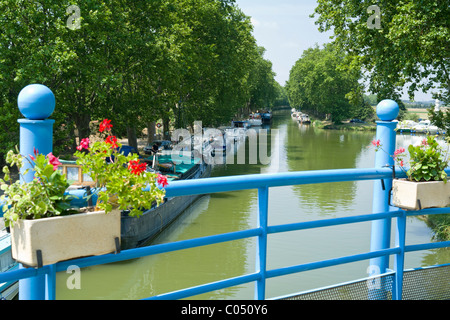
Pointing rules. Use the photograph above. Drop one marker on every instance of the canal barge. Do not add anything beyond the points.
(137, 232)
(267, 117)
(8, 290)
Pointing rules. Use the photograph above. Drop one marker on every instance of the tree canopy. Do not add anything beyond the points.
(409, 47)
(318, 84)
(130, 61)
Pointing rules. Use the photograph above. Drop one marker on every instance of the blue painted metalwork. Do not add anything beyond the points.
(257, 232)
(380, 249)
(37, 103)
(388, 111)
(261, 254)
(399, 262)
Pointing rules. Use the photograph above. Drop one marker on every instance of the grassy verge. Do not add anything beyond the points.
(346, 126)
(440, 224)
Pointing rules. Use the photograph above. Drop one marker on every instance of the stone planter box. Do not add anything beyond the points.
(64, 238)
(420, 195)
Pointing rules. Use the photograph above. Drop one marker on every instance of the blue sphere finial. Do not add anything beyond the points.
(388, 110)
(36, 102)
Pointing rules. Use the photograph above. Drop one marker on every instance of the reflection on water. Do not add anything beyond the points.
(297, 148)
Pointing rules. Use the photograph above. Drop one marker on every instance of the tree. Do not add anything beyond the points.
(218, 53)
(317, 83)
(262, 84)
(410, 47)
(281, 96)
(133, 62)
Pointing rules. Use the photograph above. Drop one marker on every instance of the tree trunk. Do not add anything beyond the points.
(151, 132)
(82, 124)
(131, 135)
(166, 133)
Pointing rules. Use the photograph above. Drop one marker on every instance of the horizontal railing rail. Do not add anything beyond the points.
(243, 182)
(262, 183)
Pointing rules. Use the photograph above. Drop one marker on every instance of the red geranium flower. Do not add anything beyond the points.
(136, 167)
(112, 140)
(105, 125)
(162, 180)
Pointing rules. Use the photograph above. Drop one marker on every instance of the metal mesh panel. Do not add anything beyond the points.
(378, 288)
(420, 284)
(427, 284)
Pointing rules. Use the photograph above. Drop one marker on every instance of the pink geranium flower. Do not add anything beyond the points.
(54, 161)
(376, 143)
(84, 144)
(399, 152)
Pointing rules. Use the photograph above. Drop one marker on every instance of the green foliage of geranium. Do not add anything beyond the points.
(122, 182)
(427, 161)
(42, 197)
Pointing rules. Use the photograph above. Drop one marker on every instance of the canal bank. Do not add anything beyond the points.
(300, 148)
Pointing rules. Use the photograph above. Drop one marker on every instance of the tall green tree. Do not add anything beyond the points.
(130, 61)
(409, 46)
(317, 83)
(262, 85)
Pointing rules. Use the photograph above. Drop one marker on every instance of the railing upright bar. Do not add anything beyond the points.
(261, 256)
(399, 260)
(50, 280)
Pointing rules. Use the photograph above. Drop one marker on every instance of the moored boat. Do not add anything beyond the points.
(139, 231)
(406, 126)
(421, 127)
(304, 119)
(266, 117)
(240, 124)
(255, 120)
(8, 290)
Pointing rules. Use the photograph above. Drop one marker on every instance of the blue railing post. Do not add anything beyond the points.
(50, 282)
(399, 260)
(36, 103)
(261, 254)
(387, 111)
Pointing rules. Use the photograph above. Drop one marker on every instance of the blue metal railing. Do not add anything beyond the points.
(261, 232)
(37, 133)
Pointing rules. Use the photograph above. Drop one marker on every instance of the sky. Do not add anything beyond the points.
(285, 29)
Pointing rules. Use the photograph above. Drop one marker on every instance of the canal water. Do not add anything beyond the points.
(294, 148)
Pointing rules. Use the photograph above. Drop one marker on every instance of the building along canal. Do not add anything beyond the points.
(297, 148)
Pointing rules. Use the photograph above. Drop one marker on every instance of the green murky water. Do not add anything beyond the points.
(296, 148)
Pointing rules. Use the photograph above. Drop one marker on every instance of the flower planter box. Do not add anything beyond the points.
(420, 195)
(66, 237)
